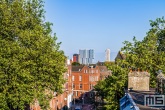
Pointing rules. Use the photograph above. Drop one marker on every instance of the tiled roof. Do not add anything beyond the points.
(77, 68)
(103, 68)
(120, 55)
(100, 63)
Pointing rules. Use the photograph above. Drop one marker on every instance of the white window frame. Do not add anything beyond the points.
(76, 93)
(73, 78)
(80, 78)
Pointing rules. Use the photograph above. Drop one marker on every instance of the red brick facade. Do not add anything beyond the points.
(84, 78)
(79, 80)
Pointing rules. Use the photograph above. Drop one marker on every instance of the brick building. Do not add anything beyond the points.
(84, 78)
(63, 100)
(80, 81)
(104, 72)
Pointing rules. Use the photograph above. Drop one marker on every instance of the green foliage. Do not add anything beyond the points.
(112, 88)
(147, 55)
(31, 64)
(75, 64)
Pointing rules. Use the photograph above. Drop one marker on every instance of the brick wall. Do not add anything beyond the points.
(84, 79)
(139, 80)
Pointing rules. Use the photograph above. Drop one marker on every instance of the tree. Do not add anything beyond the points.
(112, 88)
(31, 64)
(148, 54)
(75, 64)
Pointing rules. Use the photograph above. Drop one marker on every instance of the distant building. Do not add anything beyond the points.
(68, 61)
(104, 72)
(75, 57)
(100, 63)
(120, 56)
(86, 56)
(107, 55)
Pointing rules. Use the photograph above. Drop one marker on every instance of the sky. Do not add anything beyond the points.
(100, 24)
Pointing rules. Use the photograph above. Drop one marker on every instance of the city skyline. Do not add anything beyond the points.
(100, 24)
(100, 55)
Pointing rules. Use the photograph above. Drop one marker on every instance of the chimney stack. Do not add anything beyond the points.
(138, 80)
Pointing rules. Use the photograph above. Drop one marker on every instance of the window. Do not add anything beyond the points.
(91, 87)
(73, 86)
(76, 93)
(80, 86)
(80, 78)
(97, 78)
(72, 78)
(91, 78)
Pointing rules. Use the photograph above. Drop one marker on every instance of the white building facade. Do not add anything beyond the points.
(107, 55)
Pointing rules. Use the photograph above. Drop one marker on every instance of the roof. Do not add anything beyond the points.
(103, 68)
(77, 68)
(120, 55)
(137, 97)
(160, 76)
(100, 63)
(139, 74)
(127, 103)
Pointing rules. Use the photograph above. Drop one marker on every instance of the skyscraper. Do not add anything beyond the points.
(86, 56)
(107, 55)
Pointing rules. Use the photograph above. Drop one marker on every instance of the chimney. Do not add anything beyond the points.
(138, 80)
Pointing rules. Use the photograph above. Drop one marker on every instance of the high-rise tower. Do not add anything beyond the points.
(107, 55)
(86, 56)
